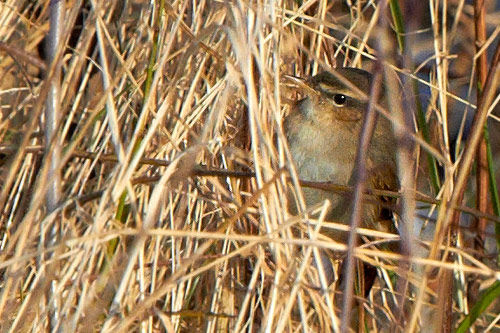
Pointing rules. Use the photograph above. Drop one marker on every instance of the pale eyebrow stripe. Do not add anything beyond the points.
(338, 90)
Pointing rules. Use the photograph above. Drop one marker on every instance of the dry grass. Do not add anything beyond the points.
(144, 172)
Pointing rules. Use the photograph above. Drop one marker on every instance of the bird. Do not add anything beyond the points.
(323, 131)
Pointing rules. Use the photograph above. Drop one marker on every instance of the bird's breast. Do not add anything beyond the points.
(320, 156)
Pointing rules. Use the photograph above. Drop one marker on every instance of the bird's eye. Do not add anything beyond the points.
(339, 99)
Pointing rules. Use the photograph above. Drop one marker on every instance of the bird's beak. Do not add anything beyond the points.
(300, 83)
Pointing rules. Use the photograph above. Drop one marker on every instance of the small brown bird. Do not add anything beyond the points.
(323, 131)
